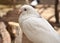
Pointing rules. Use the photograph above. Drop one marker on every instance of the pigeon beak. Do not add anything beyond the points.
(19, 12)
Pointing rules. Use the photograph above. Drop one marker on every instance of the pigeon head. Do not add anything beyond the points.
(27, 9)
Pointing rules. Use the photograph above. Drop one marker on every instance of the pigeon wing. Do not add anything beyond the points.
(39, 30)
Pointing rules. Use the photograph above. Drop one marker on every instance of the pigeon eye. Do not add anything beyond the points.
(25, 9)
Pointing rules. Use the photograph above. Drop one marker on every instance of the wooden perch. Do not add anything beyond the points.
(4, 33)
(56, 11)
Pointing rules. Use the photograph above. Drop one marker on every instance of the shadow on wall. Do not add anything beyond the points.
(10, 2)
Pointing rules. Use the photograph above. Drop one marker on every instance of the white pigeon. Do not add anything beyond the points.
(36, 28)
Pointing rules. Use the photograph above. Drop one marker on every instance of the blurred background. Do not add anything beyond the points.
(49, 9)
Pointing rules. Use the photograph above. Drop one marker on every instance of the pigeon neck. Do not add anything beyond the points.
(25, 17)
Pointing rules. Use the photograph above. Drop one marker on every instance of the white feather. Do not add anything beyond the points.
(36, 28)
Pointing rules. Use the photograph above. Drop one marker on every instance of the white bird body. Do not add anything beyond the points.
(36, 28)
(34, 3)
